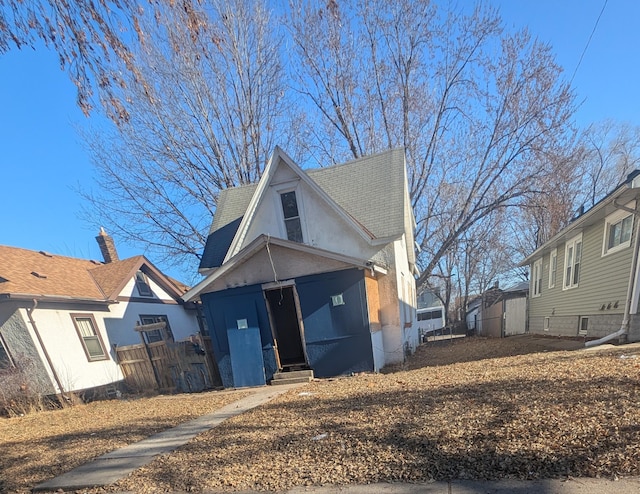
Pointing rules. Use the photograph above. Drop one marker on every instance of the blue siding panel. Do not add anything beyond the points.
(337, 338)
(247, 365)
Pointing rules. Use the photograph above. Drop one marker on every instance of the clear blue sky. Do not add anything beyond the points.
(42, 159)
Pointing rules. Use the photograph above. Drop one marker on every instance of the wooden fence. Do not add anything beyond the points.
(167, 367)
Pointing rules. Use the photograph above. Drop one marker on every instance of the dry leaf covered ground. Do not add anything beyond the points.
(487, 409)
(40, 446)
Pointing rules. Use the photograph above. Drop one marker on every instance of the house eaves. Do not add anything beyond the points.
(8, 297)
(264, 240)
(624, 193)
(131, 267)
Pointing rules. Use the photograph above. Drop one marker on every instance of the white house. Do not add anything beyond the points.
(60, 317)
(312, 269)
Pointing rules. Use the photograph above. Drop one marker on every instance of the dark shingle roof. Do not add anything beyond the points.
(369, 189)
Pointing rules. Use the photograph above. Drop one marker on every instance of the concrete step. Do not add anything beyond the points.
(292, 377)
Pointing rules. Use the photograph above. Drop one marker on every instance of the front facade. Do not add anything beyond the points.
(311, 270)
(584, 281)
(61, 318)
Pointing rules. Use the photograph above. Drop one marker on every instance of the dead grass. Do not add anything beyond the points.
(532, 415)
(40, 446)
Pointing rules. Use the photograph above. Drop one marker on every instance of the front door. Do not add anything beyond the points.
(286, 327)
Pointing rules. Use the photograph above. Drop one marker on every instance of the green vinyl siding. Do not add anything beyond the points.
(603, 280)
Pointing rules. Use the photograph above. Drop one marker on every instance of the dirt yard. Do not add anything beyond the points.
(482, 409)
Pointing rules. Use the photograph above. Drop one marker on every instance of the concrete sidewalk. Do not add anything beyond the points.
(109, 468)
(548, 486)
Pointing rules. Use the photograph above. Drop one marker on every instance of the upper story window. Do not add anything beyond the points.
(291, 216)
(617, 231)
(536, 277)
(572, 262)
(142, 284)
(91, 340)
(553, 267)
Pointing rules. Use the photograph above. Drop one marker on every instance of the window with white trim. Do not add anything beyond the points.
(618, 228)
(547, 323)
(572, 262)
(536, 278)
(553, 267)
(584, 326)
(91, 340)
(291, 213)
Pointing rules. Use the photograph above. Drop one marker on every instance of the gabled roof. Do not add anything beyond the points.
(622, 194)
(112, 277)
(380, 210)
(27, 274)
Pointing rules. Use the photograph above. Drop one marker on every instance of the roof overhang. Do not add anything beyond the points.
(261, 242)
(21, 297)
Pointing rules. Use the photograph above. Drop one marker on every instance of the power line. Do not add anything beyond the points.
(588, 41)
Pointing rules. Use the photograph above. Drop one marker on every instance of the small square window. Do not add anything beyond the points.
(337, 299)
(584, 326)
(242, 324)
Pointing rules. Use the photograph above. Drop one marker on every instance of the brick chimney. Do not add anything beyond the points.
(107, 247)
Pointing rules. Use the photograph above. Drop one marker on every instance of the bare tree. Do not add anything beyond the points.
(87, 35)
(474, 106)
(202, 112)
(611, 151)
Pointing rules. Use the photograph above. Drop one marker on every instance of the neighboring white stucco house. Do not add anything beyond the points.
(60, 317)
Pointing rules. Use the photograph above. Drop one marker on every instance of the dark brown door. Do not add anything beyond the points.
(286, 326)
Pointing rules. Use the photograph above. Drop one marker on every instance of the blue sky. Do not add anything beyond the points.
(42, 158)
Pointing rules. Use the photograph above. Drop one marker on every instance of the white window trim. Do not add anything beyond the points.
(572, 243)
(612, 219)
(536, 278)
(282, 188)
(582, 332)
(553, 269)
(547, 323)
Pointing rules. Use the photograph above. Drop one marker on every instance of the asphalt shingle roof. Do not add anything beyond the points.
(369, 189)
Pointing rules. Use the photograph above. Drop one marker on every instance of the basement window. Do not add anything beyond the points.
(584, 325)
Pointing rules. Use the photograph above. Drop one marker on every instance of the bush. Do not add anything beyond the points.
(18, 394)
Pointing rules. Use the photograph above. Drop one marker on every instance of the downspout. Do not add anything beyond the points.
(42, 346)
(623, 332)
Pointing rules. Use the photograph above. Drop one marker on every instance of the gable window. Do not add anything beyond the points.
(536, 277)
(142, 284)
(158, 334)
(617, 232)
(291, 216)
(572, 261)
(91, 340)
(553, 266)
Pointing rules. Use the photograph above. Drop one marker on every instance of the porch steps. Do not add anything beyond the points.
(292, 377)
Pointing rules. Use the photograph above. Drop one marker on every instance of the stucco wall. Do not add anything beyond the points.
(124, 315)
(23, 350)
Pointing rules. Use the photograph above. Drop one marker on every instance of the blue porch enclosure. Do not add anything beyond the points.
(326, 327)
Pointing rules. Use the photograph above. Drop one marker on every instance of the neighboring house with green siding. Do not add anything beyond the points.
(584, 280)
